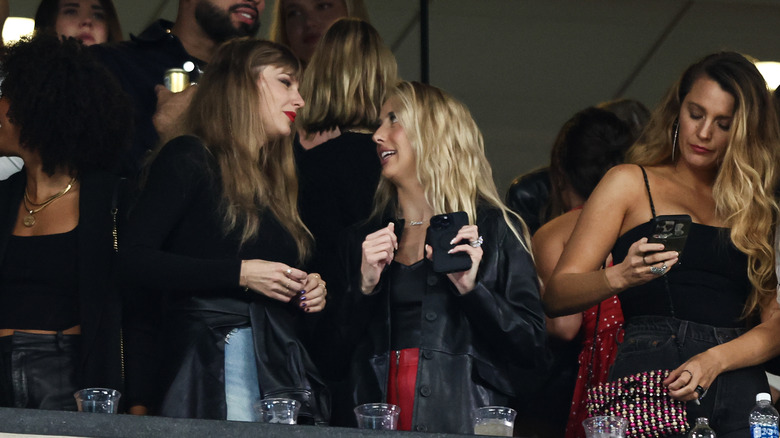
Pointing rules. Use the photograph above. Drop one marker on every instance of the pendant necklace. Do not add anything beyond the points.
(29, 220)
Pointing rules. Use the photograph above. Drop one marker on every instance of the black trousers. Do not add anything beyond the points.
(39, 371)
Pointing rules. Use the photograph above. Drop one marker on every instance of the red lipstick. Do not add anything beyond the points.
(290, 115)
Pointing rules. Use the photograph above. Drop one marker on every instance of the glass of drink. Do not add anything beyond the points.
(605, 427)
(278, 410)
(382, 416)
(494, 420)
(98, 400)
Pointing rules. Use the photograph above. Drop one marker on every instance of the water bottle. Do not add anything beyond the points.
(763, 418)
(702, 429)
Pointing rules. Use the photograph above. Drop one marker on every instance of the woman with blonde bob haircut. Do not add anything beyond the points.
(344, 87)
(216, 230)
(299, 24)
(460, 339)
(710, 151)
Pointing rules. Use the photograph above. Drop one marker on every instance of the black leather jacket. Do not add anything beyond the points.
(476, 350)
(529, 196)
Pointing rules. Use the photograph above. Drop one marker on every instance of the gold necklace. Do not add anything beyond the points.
(29, 220)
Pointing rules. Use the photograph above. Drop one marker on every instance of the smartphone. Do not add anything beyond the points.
(671, 230)
(442, 230)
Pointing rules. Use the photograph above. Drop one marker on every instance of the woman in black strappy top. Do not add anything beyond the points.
(708, 314)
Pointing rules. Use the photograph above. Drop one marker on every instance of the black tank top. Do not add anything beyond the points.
(709, 284)
(406, 288)
(39, 282)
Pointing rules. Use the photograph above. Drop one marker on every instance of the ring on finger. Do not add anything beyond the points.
(655, 270)
(477, 243)
(689, 373)
(288, 271)
(701, 391)
(287, 286)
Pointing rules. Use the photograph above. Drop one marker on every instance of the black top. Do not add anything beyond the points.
(39, 282)
(337, 181)
(709, 284)
(175, 239)
(99, 302)
(140, 64)
(176, 247)
(406, 294)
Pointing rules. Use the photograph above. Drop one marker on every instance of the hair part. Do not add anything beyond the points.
(347, 78)
(48, 11)
(257, 173)
(449, 156)
(747, 178)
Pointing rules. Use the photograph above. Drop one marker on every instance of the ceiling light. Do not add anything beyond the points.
(17, 27)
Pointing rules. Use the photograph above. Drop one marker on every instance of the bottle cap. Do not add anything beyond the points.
(763, 396)
(702, 420)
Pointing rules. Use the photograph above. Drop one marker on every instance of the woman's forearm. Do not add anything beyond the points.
(567, 294)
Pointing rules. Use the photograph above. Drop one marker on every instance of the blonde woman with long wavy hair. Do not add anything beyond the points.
(216, 230)
(448, 342)
(709, 314)
(299, 24)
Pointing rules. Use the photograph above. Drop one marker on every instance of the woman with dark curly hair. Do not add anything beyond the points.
(64, 114)
(89, 21)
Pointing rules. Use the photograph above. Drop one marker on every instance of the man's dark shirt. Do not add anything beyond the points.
(140, 64)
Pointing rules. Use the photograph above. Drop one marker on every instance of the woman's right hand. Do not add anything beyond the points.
(378, 251)
(272, 279)
(637, 268)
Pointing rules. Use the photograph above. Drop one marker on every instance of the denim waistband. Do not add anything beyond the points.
(683, 329)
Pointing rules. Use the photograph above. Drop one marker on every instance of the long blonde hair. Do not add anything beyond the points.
(257, 173)
(347, 77)
(747, 178)
(449, 155)
(277, 32)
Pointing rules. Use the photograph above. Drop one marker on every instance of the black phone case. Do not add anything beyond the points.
(441, 231)
(671, 230)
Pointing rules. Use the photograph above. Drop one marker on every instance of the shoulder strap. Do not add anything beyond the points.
(647, 186)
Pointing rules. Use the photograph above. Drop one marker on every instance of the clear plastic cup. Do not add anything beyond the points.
(494, 420)
(98, 400)
(605, 427)
(278, 410)
(383, 416)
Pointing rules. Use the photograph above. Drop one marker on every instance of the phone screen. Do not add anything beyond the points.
(671, 231)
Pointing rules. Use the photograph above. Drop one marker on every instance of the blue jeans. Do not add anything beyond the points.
(657, 342)
(242, 389)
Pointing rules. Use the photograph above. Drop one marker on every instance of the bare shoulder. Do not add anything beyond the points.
(559, 228)
(623, 182)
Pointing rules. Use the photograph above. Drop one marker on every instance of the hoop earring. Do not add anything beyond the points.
(674, 138)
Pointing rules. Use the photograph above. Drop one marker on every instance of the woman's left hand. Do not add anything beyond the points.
(694, 376)
(465, 281)
(314, 292)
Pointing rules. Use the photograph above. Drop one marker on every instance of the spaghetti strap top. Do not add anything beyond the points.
(708, 285)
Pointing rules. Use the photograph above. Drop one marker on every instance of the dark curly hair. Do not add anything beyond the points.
(67, 106)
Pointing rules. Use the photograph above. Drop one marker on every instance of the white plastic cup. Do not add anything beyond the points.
(378, 416)
(605, 427)
(98, 400)
(494, 420)
(278, 410)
